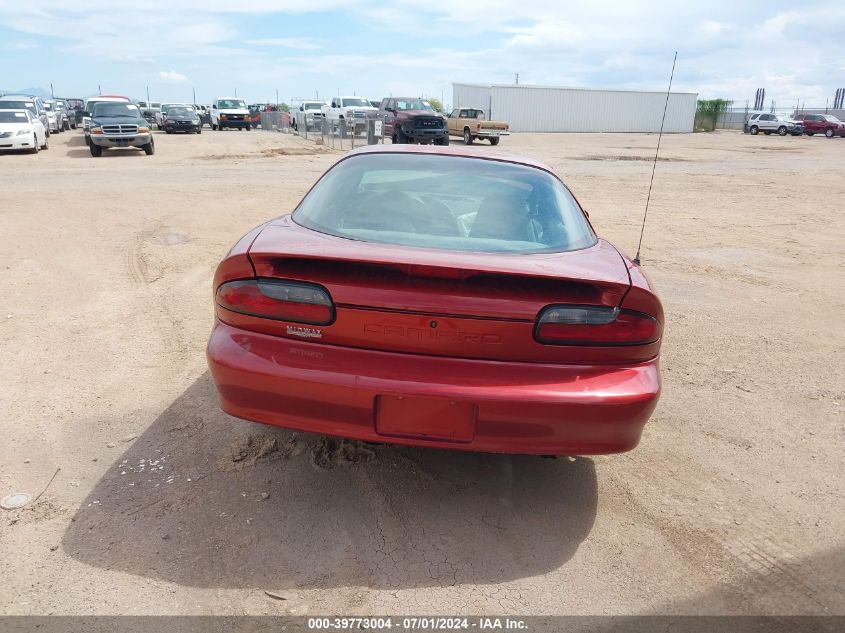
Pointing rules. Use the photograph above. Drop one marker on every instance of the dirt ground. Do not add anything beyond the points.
(732, 503)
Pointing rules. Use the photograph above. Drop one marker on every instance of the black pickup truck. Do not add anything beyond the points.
(412, 120)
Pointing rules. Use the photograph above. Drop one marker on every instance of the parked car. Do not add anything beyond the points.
(826, 124)
(769, 122)
(55, 117)
(69, 115)
(161, 113)
(472, 124)
(75, 109)
(433, 297)
(346, 109)
(205, 114)
(229, 112)
(182, 119)
(32, 103)
(22, 130)
(412, 120)
(90, 103)
(119, 124)
(310, 113)
(255, 111)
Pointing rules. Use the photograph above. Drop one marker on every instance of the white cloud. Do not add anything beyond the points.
(172, 77)
(297, 43)
(20, 45)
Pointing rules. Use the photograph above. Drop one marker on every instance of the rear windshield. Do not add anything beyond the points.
(13, 117)
(445, 202)
(18, 105)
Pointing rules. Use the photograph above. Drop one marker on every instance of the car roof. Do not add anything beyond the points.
(18, 97)
(16, 110)
(446, 150)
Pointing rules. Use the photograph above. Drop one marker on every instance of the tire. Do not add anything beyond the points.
(494, 140)
(400, 138)
(782, 130)
(467, 136)
(35, 147)
(828, 132)
(46, 144)
(67, 126)
(754, 129)
(443, 140)
(810, 133)
(96, 150)
(213, 127)
(166, 131)
(199, 130)
(149, 148)
(248, 127)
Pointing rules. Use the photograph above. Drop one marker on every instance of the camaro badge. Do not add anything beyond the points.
(305, 332)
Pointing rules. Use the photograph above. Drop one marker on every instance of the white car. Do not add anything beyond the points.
(54, 117)
(21, 130)
(229, 112)
(348, 109)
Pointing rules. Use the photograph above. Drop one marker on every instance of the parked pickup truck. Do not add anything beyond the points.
(470, 123)
(412, 120)
(348, 109)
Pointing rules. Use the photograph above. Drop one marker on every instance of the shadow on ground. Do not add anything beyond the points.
(202, 499)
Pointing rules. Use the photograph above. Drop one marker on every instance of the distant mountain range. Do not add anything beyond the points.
(41, 92)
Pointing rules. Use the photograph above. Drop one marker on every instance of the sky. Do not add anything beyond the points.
(310, 48)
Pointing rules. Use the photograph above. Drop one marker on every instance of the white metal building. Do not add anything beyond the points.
(556, 109)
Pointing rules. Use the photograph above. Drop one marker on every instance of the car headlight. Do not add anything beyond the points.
(22, 132)
(96, 130)
(143, 130)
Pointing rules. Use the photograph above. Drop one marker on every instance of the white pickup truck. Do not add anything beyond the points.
(348, 109)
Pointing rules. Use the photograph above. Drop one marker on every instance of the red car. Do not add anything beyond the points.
(433, 296)
(826, 124)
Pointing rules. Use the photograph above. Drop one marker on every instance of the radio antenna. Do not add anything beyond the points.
(654, 165)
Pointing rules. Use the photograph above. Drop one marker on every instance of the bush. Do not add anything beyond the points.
(707, 113)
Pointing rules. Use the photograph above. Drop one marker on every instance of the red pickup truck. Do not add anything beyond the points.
(826, 124)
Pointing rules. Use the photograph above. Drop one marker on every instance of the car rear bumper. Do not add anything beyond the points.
(232, 123)
(518, 407)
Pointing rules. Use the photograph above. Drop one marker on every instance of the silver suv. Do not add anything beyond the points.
(768, 122)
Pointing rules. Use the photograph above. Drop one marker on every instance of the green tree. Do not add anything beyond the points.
(708, 111)
(283, 107)
(435, 103)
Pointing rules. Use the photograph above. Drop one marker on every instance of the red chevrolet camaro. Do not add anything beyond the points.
(438, 297)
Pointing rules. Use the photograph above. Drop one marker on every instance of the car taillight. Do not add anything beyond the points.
(278, 299)
(595, 325)
(478, 126)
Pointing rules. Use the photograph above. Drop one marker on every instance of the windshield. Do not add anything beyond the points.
(18, 105)
(48, 106)
(180, 111)
(313, 105)
(231, 104)
(356, 103)
(76, 104)
(412, 104)
(446, 202)
(116, 110)
(13, 117)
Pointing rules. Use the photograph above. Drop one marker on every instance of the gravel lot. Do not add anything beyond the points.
(732, 503)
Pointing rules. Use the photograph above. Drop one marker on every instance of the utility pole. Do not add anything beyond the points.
(99, 89)
(194, 90)
(236, 92)
(148, 96)
(52, 95)
(516, 79)
(277, 97)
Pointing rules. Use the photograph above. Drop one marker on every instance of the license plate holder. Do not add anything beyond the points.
(425, 418)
